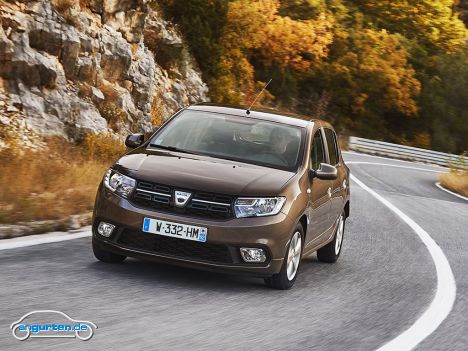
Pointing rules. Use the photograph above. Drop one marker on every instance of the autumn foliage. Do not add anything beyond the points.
(370, 65)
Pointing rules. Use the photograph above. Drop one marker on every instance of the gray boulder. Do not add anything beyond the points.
(59, 67)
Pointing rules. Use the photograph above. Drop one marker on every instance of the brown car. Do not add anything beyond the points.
(226, 189)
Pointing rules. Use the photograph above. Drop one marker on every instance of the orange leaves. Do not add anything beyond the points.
(377, 72)
(296, 44)
(255, 31)
(277, 40)
(432, 23)
(358, 54)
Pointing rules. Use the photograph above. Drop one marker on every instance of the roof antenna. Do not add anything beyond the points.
(256, 98)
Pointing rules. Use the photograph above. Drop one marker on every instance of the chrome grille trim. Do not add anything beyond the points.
(211, 202)
(153, 192)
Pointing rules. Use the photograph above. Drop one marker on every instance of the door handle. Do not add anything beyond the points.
(329, 192)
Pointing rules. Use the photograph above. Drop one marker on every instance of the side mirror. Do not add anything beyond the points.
(134, 140)
(325, 172)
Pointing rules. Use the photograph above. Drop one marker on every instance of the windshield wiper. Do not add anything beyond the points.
(173, 148)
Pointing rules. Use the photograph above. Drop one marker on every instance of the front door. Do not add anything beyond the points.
(319, 194)
(338, 186)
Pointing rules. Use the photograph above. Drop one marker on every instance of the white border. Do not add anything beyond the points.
(425, 325)
(450, 192)
(31, 240)
(446, 290)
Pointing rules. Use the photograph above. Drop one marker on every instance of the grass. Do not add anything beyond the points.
(113, 114)
(157, 110)
(62, 6)
(55, 182)
(456, 181)
(61, 179)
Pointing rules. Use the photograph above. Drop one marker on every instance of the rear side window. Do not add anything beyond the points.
(332, 146)
(318, 151)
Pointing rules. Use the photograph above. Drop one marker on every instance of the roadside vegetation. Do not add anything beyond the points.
(457, 179)
(389, 70)
(56, 181)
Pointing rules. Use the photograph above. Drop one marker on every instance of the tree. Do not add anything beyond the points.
(256, 32)
(433, 23)
(386, 69)
(444, 104)
(302, 9)
(461, 7)
(202, 23)
(369, 79)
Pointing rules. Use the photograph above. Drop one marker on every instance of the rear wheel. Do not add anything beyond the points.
(330, 252)
(286, 278)
(106, 256)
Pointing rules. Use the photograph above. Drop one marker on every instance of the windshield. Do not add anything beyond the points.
(237, 138)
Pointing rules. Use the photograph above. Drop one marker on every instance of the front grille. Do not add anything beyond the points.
(178, 248)
(201, 204)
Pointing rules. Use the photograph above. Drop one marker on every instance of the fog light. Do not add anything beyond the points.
(252, 254)
(105, 229)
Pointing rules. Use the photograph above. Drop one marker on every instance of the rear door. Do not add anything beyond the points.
(338, 186)
(319, 201)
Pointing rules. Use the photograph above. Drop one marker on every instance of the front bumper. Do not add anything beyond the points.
(270, 233)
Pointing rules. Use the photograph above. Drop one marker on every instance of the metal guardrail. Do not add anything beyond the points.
(404, 152)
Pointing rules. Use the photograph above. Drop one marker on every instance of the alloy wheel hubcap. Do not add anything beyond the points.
(294, 255)
(339, 235)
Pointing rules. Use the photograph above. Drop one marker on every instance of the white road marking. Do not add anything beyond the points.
(450, 192)
(31, 240)
(445, 295)
(425, 325)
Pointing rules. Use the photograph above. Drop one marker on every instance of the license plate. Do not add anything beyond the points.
(175, 230)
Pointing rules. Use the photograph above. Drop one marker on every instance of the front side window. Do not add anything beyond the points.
(243, 139)
(318, 151)
(332, 146)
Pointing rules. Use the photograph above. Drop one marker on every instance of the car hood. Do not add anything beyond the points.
(194, 172)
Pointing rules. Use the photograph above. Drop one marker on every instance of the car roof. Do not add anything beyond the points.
(259, 113)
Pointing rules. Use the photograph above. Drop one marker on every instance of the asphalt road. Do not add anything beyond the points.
(384, 280)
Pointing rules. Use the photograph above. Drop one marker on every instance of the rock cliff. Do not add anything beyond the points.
(69, 67)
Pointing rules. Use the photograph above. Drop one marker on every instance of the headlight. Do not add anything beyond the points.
(118, 183)
(256, 207)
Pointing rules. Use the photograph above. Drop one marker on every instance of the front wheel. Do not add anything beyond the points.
(286, 278)
(330, 252)
(106, 256)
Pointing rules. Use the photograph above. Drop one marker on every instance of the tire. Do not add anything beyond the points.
(106, 256)
(285, 280)
(330, 252)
